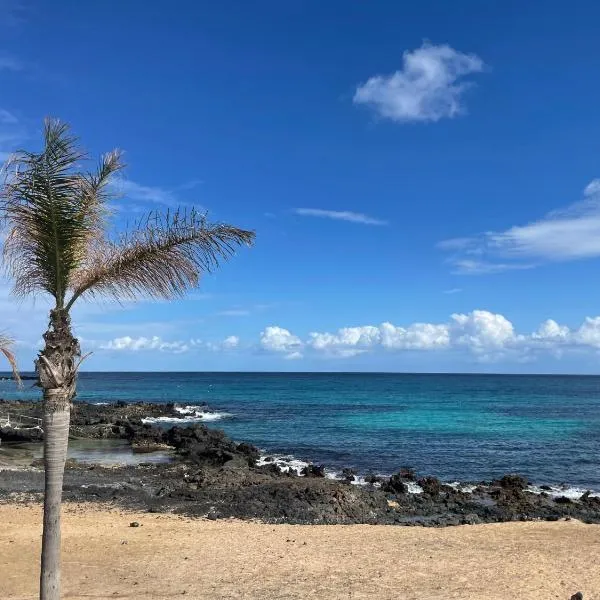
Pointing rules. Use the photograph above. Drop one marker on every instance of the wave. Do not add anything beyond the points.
(190, 414)
(284, 463)
(289, 463)
(555, 491)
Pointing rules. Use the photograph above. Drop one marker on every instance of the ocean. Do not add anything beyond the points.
(456, 427)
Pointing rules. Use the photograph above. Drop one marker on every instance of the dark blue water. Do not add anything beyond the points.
(458, 427)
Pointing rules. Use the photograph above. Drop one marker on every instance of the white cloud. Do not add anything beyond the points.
(453, 291)
(418, 336)
(484, 335)
(131, 190)
(279, 340)
(481, 330)
(589, 333)
(343, 215)
(12, 134)
(551, 331)
(233, 341)
(234, 312)
(7, 118)
(145, 343)
(569, 234)
(429, 86)
(9, 63)
(348, 341)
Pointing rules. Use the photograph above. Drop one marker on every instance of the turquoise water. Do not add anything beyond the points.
(458, 427)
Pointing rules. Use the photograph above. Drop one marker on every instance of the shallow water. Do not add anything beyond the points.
(458, 427)
(102, 452)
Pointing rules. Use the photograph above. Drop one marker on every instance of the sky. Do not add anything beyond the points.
(423, 179)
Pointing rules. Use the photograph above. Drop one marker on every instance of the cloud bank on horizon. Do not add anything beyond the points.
(487, 337)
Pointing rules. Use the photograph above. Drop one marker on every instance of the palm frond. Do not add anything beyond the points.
(52, 211)
(162, 257)
(5, 348)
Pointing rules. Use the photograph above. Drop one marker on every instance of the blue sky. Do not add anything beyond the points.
(423, 179)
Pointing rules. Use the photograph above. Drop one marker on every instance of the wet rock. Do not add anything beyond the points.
(348, 475)
(372, 478)
(21, 434)
(431, 485)
(311, 470)
(250, 451)
(407, 473)
(395, 485)
(511, 482)
(563, 500)
(201, 445)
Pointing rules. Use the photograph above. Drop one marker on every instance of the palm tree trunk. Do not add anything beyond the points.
(57, 374)
(56, 439)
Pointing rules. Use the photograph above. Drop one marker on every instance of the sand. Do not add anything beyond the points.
(170, 556)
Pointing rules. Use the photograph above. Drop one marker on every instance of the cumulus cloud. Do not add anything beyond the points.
(233, 341)
(280, 340)
(339, 215)
(429, 86)
(145, 343)
(485, 335)
(571, 233)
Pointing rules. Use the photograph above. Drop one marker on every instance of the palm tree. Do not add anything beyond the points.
(57, 244)
(6, 343)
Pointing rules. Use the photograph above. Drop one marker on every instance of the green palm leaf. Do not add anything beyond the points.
(53, 212)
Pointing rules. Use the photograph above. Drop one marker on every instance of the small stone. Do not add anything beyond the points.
(134, 524)
(577, 596)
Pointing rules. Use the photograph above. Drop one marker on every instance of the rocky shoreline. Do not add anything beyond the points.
(212, 476)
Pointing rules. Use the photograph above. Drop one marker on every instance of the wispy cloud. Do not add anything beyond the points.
(429, 86)
(9, 63)
(453, 291)
(7, 118)
(12, 13)
(343, 215)
(131, 190)
(12, 133)
(234, 312)
(568, 234)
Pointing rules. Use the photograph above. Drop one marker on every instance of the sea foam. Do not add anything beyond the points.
(285, 464)
(189, 414)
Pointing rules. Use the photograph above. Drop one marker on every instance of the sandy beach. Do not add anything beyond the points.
(169, 556)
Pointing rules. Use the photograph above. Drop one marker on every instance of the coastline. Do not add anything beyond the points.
(207, 474)
(170, 555)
